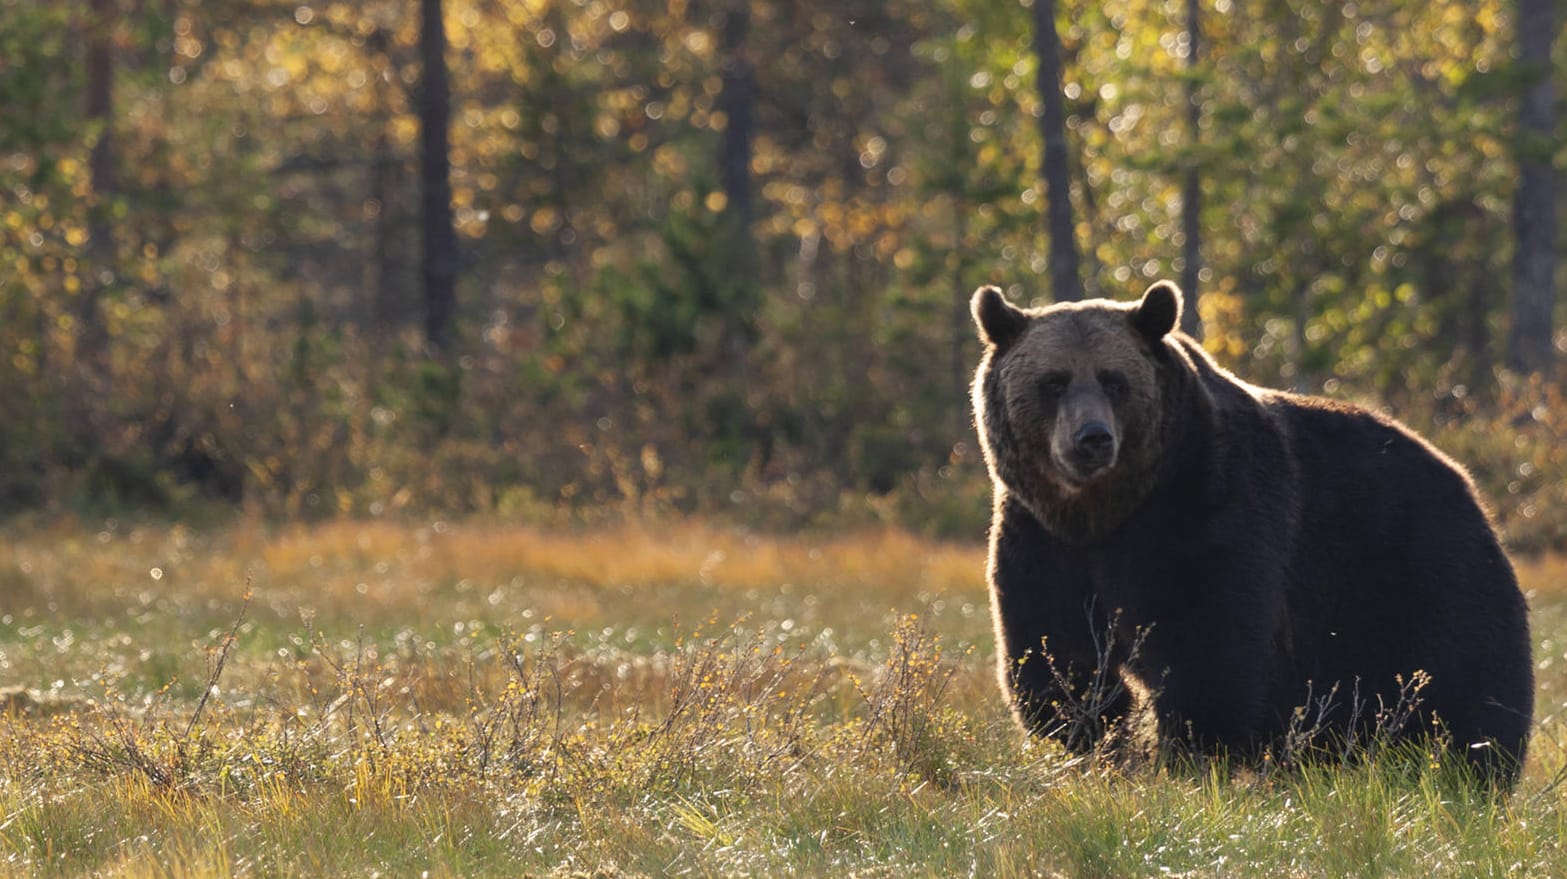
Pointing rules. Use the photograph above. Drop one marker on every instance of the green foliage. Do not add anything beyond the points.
(35, 76)
(622, 342)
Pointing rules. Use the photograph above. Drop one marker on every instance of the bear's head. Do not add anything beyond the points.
(1070, 405)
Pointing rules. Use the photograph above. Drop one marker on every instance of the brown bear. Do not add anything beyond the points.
(1231, 562)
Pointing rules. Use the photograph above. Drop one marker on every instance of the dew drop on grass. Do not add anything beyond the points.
(157, 573)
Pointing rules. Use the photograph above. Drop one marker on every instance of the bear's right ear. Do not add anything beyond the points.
(1000, 322)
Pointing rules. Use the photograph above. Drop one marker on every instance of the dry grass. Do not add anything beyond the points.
(379, 571)
(477, 699)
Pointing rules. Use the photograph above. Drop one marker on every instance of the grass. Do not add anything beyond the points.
(461, 699)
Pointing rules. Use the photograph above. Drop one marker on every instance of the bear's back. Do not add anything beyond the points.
(1360, 470)
(1397, 559)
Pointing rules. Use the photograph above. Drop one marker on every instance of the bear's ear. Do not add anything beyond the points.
(1159, 311)
(1000, 322)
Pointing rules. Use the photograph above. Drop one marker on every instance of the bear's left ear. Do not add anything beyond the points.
(1159, 311)
(1000, 322)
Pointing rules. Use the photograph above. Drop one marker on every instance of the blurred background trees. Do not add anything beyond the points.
(715, 255)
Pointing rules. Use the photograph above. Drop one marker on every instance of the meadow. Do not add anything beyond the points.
(475, 698)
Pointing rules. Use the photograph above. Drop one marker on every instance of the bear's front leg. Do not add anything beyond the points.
(1076, 702)
(1211, 606)
(1211, 708)
(1058, 656)
(1207, 662)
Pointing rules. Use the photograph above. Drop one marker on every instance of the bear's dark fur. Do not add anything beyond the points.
(1231, 553)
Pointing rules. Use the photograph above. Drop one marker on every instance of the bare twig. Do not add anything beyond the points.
(217, 667)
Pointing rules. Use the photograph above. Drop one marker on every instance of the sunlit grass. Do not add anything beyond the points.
(652, 699)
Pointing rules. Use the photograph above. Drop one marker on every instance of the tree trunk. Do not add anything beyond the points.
(100, 168)
(1191, 189)
(1529, 344)
(440, 239)
(1064, 281)
(737, 100)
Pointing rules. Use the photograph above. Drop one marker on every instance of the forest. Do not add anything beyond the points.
(533, 438)
(555, 259)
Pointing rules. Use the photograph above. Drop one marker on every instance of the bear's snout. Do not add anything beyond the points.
(1093, 449)
(1094, 438)
(1087, 451)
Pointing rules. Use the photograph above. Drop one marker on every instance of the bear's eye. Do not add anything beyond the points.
(1114, 384)
(1054, 385)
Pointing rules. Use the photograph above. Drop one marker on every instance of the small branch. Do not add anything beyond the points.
(223, 657)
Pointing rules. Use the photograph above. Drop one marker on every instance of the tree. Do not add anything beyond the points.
(100, 112)
(1065, 285)
(736, 101)
(1191, 188)
(1534, 202)
(440, 239)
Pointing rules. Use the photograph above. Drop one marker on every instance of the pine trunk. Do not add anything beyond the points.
(1191, 189)
(1529, 346)
(1065, 284)
(440, 239)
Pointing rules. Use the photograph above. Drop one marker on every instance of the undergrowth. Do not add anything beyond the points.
(748, 742)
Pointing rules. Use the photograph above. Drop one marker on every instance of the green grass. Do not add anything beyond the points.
(473, 699)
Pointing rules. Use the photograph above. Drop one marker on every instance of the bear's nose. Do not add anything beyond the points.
(1094, 438)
